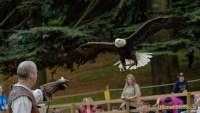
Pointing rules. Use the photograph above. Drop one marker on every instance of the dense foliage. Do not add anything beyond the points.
(49, 31)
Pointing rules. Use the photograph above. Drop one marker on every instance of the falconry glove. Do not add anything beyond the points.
(49, 89)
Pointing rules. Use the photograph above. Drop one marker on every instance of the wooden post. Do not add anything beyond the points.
(128, 106)
(73, 108)
(108, 106)
(189, 102)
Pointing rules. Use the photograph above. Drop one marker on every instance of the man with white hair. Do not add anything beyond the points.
(22, 99)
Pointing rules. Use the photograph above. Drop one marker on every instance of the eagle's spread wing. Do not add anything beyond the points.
(89, 51)
(103, 46)
(152, 26)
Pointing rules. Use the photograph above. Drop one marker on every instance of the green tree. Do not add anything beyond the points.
(49, 31)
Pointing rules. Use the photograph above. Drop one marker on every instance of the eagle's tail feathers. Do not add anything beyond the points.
(142, 60)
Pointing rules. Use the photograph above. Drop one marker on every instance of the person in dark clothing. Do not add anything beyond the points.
(180, 86)
(190, 56)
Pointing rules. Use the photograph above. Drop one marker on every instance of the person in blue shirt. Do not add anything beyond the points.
(3, 101)
(181, 85)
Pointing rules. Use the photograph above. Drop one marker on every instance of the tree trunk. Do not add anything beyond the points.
(159, 5)
(42, 78)
(36, 18)
(164, 67)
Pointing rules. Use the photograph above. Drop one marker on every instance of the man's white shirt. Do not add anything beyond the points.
(23, 104)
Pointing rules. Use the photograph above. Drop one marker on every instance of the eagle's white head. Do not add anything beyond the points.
(120, 42)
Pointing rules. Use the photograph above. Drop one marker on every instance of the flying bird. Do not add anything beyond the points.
(126, 47)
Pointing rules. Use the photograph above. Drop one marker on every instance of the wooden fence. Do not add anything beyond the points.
(140, 100)
(111, 90)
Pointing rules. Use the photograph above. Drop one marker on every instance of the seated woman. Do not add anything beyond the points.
(87, 106)
(131, 90)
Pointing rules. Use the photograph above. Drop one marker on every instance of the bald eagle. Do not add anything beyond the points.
(125, 47)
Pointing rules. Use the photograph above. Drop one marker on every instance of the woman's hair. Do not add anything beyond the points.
(132, 78)
(88, 101)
